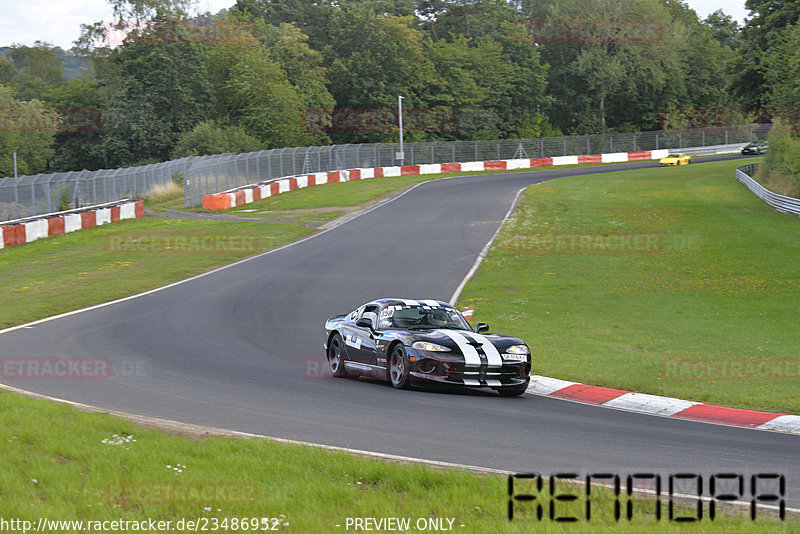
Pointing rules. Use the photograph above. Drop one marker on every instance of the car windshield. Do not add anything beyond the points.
(422, 317)
(675, 155)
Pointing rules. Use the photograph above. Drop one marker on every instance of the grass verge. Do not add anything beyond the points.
(64, 464)
(675, 282)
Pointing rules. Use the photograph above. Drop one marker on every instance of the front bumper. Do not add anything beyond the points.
(456, 373)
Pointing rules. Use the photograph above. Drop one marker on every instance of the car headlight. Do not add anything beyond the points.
(516, 353)
(430, 347)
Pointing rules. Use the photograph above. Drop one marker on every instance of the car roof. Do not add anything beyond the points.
(410, 302)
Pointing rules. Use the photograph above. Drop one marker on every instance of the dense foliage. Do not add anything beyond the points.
(275, 73)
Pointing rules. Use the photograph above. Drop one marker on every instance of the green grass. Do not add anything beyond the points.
(64, 464)
(720, 286)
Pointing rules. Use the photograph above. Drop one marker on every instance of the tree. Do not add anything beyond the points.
(28, 129)
(492, 89)
(604, 79)
(254, 92)
(782, 74)
(471, 18)
(373, 60)
(309, 16)
(7, 72)
(761, 33)
(38, 69)
(162, 90)
(78, 141)
(724, 29)
(288, 47)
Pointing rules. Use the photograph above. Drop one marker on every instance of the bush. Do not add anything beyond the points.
(781, 168)
(208, 137)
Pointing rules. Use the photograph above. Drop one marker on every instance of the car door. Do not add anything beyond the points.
(360, 341)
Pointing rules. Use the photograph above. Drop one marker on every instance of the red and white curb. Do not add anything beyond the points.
(666, 406)
(226, 200)
(18, 234)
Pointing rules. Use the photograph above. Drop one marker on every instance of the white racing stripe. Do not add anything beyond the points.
(471, 382)
(410, 302)
(471, 357)
(492, 356)
(431, 303)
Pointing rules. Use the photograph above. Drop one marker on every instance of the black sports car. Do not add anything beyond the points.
(404, 340)
(758, 147)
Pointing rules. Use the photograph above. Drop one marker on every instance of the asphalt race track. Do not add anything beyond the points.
(240, 349)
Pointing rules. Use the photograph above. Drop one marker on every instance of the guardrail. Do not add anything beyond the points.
(711, 150)
(779, 202)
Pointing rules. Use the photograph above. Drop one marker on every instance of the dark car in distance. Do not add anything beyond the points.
(409, 341)
(758, 147)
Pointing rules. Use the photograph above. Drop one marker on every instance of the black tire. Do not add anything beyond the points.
(336, 357)
(512, 391)
(399, 368)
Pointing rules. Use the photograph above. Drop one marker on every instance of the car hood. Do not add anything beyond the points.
(454, 339)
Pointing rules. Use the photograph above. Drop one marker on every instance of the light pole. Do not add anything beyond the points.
(16, 187)
(400, 154)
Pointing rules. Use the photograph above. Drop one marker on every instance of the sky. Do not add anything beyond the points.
(58, 22)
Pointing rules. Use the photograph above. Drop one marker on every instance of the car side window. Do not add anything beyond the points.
(370, 311)
(355, 314)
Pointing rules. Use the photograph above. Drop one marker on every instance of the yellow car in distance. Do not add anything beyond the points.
(675, 158)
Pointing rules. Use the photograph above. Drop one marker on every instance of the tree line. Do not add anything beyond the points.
(277, 73)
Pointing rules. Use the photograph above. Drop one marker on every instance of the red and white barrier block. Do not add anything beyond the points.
(654, 404)
(18, 234)
(226, 200)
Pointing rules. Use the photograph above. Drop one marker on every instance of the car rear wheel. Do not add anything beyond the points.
(399, 368)
(336, 357)
(512, 391)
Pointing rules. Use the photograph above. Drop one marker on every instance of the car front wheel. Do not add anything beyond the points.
(399, 368)
(336, 357)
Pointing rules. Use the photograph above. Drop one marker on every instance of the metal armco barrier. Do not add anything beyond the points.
(779, 202)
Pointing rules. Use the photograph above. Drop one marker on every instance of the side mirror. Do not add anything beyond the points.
(481, 328)
(365, 322)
